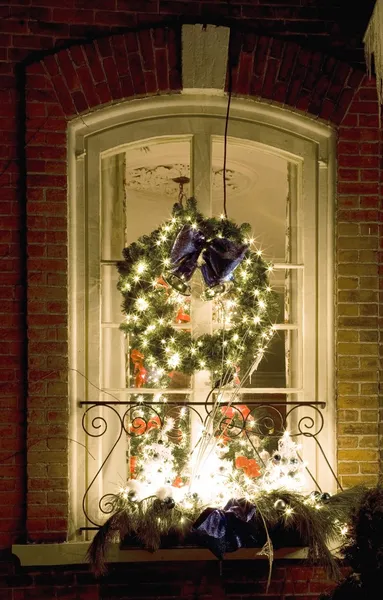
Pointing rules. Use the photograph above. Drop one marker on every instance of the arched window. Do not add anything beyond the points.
(280, 174)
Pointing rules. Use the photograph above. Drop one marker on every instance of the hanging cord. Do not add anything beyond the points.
(229, 90)
(181, 181)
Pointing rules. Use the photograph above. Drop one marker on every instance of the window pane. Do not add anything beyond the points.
(287, 284)
(257, 190)
(149, 187)
(276, 369)
(112, 207)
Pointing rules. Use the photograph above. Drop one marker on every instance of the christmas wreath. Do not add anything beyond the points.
(155, 281)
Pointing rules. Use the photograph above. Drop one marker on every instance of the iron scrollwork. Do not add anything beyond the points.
(253, 421)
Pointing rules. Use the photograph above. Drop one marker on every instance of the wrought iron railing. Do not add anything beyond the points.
(263, 419)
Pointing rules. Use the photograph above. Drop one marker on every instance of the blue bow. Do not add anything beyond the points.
(221, 256)
(226, 530)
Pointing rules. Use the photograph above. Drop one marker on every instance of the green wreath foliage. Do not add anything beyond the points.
(151, 306)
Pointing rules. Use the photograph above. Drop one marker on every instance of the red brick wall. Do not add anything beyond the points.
(198, 580)
(58, 86)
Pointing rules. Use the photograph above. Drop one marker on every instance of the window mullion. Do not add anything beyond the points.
(200, 311)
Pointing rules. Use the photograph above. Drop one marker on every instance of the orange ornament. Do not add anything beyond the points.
(249, 465)
(139, 370)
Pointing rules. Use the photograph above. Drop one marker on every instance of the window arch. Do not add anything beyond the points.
(288, 157)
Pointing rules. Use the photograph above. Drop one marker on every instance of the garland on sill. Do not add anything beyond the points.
(155, 282)
(277, 518)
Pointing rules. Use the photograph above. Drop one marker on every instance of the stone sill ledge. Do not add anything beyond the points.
(73, 553)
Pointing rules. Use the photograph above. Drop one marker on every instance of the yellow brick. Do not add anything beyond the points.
(368, 441)
(369, 229)
(351, 229)
(357, 429)
(372, 467)
(346, 256)
(357, 375)
(360, 242)
(357, 402)
(348, 310)
(358, 455)
(368, 283)
(347, 283)
(351, 480)
(347, 335)
(367, 389)
(358, 322)
(369, 416)
(350, 362)
(347, 416)
(358, 296)
(366, 349)
(347, 441)
(368, 310)
(369, 362)
(348, 468)
(346, 389)
(367, 256)
(368, 336)
(351, 269)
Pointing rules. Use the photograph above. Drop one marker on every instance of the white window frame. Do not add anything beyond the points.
(307, 144)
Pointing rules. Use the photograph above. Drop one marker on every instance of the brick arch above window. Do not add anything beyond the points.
(286, 73)
(136, 64)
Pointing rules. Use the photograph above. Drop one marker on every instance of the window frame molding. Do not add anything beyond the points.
(109, 124)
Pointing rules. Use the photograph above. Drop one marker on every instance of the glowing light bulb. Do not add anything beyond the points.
(257, 319)
(141, 267)
(262, 304)
(344, 530)
(141, 304)
(270, 268)
(174, 360)
(259, 252)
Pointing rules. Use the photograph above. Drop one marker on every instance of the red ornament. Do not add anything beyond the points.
(182, 316)
(249, 465)
(243, 409)
(154, 423)
(162, 283)
(132, 466)
(241, 462)
(139, 370)
(228, 411)
(178, 482)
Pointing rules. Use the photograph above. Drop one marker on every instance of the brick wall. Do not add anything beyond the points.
(359, 204)
(58, 86)
(197, 581)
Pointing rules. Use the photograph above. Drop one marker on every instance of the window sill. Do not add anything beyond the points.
(73, 553)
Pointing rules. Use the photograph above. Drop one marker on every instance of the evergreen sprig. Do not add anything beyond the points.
(305, 523)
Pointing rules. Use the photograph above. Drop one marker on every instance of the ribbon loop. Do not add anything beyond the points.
(221, 257)
(184, 258)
